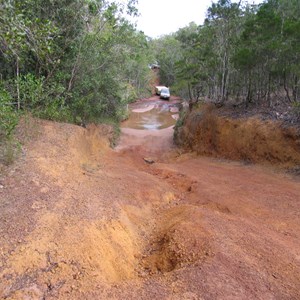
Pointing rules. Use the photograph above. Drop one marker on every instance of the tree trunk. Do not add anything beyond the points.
(285, 87)
(18, 85)
(224, 78)
(190, 92)
(248, 98)
(269, 91)
(295, 88)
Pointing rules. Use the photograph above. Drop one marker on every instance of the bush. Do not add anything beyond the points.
(31, 91)
(8, 116)
(9, 147)
(56, 110)
(42, 100)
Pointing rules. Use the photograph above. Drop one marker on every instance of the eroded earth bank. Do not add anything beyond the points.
(80, 220)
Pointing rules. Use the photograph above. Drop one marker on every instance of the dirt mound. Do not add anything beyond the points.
(249, 140)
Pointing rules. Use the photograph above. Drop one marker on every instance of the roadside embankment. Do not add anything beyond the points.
(247, 139)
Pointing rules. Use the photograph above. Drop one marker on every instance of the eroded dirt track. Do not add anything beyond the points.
(82, 221)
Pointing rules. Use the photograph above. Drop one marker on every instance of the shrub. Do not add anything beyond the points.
(9, 147)
(8, 116)
(31, 91)
(56, 110)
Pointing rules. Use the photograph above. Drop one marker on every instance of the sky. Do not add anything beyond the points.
(160, 17)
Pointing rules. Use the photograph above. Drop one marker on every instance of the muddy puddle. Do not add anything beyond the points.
(154, 115)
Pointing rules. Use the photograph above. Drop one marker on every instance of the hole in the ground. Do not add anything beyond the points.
(182, 241)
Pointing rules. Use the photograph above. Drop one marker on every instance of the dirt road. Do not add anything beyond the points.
(79, 220)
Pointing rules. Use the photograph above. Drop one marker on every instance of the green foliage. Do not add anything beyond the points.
(9, 147)
(242, 53)
(71, 60)
(8, 116)
(31, 91)
(168, 51)
(244, 58)
(55, 110)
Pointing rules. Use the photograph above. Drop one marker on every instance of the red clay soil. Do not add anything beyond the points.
(79, 220)
(251, 140)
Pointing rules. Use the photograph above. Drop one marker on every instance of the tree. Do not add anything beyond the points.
(247, 54)
(224, 17)
(77, 57)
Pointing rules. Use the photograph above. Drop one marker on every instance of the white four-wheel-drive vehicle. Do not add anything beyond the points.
(165, 93)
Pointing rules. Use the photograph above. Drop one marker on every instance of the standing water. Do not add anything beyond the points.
(152, 115)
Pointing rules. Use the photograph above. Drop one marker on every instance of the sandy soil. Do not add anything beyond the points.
(79, 220)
